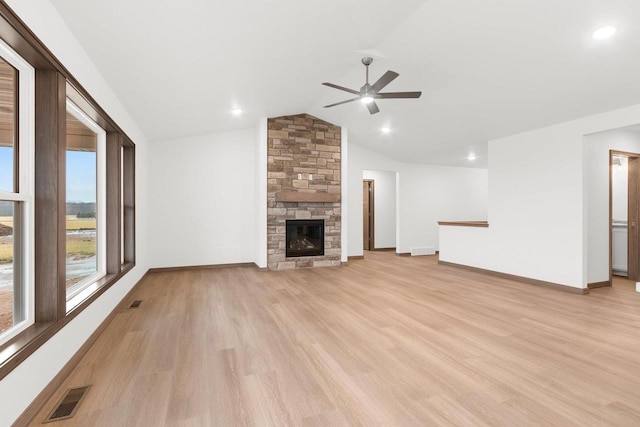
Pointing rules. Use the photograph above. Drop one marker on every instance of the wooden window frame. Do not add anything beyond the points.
(53, 85)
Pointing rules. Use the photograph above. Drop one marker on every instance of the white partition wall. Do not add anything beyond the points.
(538, 204)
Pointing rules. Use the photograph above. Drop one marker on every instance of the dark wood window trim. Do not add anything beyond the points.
(50, 297)
(114, 148)
(54, 84)
(129, 201)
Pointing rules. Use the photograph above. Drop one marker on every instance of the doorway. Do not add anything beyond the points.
(624, 215)
(368, 206)
(379, 210)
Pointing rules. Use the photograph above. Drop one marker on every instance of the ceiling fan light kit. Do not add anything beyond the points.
(369, 93)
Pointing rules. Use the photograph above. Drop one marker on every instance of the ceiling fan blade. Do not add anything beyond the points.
(341, 102)
(390, 95)
(346, 89)
(386, 78)
(373, 107)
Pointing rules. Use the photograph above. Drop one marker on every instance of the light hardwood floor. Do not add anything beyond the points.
(383, 341)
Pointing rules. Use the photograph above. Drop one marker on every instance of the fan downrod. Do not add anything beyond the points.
(367, 60)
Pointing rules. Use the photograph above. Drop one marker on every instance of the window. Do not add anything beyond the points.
(85, 203)
(16, 193)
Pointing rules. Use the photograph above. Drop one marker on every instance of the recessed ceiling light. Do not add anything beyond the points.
(471, 157)
(236, 111)
(385, 130)
(604, 32)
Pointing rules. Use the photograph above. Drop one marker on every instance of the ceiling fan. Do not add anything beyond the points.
(369, 93)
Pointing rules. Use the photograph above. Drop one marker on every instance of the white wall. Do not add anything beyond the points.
(429, 194)
(598, 146)
(535, 211)
(538, 210)
(425, 194)
(384, 200)
(203, 200)
(22, 385)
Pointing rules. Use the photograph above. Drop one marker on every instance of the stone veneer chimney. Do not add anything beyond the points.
(303, 178)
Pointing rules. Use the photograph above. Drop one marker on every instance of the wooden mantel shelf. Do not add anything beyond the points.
(300, 197)
(465, 223)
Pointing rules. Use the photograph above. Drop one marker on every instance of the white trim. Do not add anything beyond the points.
(261, 193)
(78, 290)
(13, 197)
(344, 198)
(26, 182)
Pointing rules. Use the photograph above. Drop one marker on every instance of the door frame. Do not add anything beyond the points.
(372, 228)
(629, 155)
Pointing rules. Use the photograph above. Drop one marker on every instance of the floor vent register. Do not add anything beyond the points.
(68, 405)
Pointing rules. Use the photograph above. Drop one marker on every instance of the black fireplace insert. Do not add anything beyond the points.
(305, 237)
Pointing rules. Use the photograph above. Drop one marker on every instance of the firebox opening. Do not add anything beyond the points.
(305, 237)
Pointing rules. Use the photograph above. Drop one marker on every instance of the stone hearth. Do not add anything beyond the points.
(303, 178)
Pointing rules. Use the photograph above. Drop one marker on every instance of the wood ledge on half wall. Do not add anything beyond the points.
(301, 197)
(465, 223)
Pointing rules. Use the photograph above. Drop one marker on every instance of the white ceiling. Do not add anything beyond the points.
(487, 68)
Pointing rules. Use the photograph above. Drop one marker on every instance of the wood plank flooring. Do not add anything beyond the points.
(383, 341)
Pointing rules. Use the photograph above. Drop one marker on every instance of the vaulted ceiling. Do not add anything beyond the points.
(487, 68)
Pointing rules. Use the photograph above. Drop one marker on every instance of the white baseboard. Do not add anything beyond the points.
(423, 250)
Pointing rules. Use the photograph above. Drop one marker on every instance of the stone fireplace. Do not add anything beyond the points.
(304, 185)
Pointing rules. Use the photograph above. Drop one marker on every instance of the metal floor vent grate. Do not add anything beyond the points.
(68, 405)
(136, 303)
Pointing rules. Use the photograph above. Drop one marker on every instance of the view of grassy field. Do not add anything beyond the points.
(81, 246)
(73, 223)
(77, 245)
